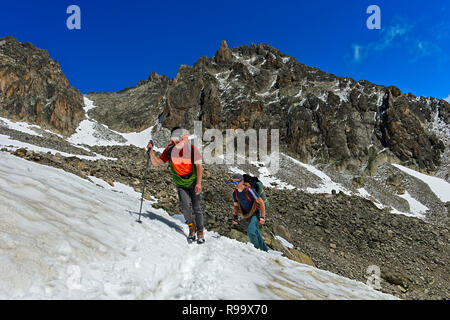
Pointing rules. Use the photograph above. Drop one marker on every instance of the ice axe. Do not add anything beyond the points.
(145, 181)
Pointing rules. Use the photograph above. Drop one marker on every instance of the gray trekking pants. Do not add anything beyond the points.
(187, 197)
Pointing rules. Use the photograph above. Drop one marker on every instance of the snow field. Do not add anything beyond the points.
(63, 237)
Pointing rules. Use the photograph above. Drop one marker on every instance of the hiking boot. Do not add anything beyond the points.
(191, 236)
(200, 237)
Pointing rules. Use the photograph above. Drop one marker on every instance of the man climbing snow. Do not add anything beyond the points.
(253, 209)
(186, 168)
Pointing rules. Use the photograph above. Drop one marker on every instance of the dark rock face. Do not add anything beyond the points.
(402, 129)
(33, 88)
(320, 116)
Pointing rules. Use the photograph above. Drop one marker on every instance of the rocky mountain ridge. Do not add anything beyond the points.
(34, 89)
(320, 116)
(356, 126)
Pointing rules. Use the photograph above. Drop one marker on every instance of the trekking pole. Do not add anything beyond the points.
(145, 182)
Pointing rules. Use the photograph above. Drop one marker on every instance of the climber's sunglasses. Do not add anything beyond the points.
(236, 182)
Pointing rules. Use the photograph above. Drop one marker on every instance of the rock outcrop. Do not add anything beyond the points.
(34, 89)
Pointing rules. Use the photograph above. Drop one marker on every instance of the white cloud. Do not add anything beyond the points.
(389, 36)
(447, 99)
(403, 34)
(422, 48)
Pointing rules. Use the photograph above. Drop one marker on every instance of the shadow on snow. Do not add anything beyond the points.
(153, 216)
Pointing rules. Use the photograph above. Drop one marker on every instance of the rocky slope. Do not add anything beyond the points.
(320, 116)
(335, 232)
(34, 89)
(327, 230)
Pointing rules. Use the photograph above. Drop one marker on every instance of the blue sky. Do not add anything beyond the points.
(122, 42)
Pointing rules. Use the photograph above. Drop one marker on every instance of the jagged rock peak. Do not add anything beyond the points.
(223, 55)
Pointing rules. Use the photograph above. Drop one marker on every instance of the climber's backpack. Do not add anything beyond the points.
(258, 186)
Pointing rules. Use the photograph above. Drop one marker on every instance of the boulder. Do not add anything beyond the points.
(358, 182)
(21, 152)
(281, 231)
(301, 257)
(238, 235)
